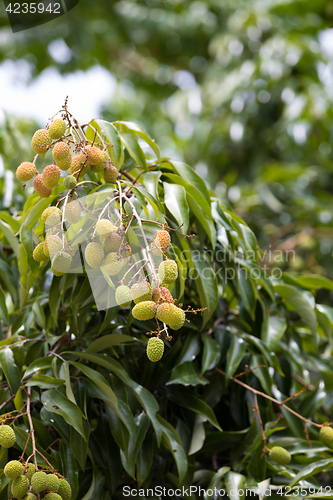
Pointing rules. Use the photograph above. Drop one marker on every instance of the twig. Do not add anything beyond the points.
(32, 430)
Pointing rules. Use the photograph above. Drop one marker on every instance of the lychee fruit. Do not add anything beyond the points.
(26, 171)
(39, 481)
(52, 496)
(141, 292)
(51, 175)
(40, 188)
(66, 163)
(41, 141)
(52, 245)
(279, 455)
(113, 263)
(104, 227)
(155, 349)
(20, 486)
(61, 262)
(110, 174)
(52, 482)
(29, 496)
(162, 294)
(167, 272)
(69, 182)
(123, 296)
(92, 155)
(30, 471)
(73, 212)
(7, 436)
(326, 434)
(76, 165)
(97, 168)
(60, 151)
(144, 311)
(160, 243)
(65, 490)
(57, 128)
(171, 315)
(56, 273)
(111, 243)
(51, 216)
(94, 255)
(13, 469)
(126, 252)
(38, 253)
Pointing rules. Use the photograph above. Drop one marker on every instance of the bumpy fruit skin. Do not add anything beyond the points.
(171, 315)
(97, 168)
(60, 151)
(38, 253)
(7, 436)
(104, 227)
(52, 496)
(76, 165)
(73, 212)
(40, 188)
(57, 128)
(30, 471)
(326, 434)
(126, 252)
(51, 175)
(56, 273)
(93, 156)
(65, 164)
(113, 263)
(25, 171)
(39, 481)
(141, 292)
(61, 262)
(65, 490)
(111, 243)
(94, 255)
(160, 243)
(41, 141)
(279, 455)
(52, 245)
(155, 349)
(20, 486)
(167, 272)
(30, 496)
(123, 296)
(13, 469)
(52, 482)
(144, 310)
(51, 216)
(110, 174)
(69, 182)
(162, 294)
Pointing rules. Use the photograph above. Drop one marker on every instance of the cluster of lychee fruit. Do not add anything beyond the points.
(26, 480)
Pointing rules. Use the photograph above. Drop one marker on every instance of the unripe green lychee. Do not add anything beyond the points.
(52, 496)
(65, 490)
(57, 128)
(93, 156)
(40, 188)
(326, 434)
(160, 243)
(94, 255)
(7, 436)
(123, 296)
(13, 469)
(162, 294)
(52, 245)
(26, 171)
(155, 349)
(56, 273)
(73, 212)
(38, 253)
(41, 141)
(167, 272)
(141, 292)
(30, 470)
(97, 168)
(69, 182)
(20, 486)
(111, 243)
(144, 310)
(104, 227)
(279, 455)
(110, 174)
(113, 263)
(51, 216)
(51, 175)
(39, 481)
(76, 165)
(52, 482)
(61, 262)
(66, 163)
(171, 315)
(60, 151)
(29, 496)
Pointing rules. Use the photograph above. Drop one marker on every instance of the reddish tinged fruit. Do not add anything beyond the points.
(40, 188)
(26, 171)
(160, 243)
(65, 164)
(76, 165)
(51, 175)
(110, 174)
(60, 151)
(41, 141)
(92, 155)
(162, 294)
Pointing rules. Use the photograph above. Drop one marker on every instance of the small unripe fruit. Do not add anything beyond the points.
(279, 455)
(56, 273)
(52, 496)
(40, 188)
(110, 174)
(111, 243)
(39, 481)
(41, 141)
(76, 165)
(52, 245)
(326, 434)
(30, 496)
(52, 482)
(38, 253)
(123, 296)
(160, 243)
(155, 349)
(141, 292)
(13, 469)
(97, 168)
(93, 156)
(113, 263)
(65, 490)
(171, 315)
(94, 255)
(144, 310)
(20, 486)
(60, 151)
(162, 294)
(57, 128)
(51, 175)
(65, 164)
(30, 471)
(7, 436)
(104, 227)
(167, 272)
(73, 212)
(61, 262)
(51, 216)
(26, 171)
(69, 182)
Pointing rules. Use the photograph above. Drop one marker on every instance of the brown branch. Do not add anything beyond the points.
(32, 430)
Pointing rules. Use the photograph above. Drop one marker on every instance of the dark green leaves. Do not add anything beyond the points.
(55, 402)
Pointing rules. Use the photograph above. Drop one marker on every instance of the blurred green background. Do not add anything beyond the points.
(240, 90)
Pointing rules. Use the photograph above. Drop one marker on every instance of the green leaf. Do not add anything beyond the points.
(198, 435)
(109, 341)
(27, 242)
(276, 327)
(10, 236)
(175, 201)
(143, 424)
(3, 308)
(205, 281)
(112, 136)
(235, 485)
(186, 172)
(248, 291)
(140, 131)
(195, 404)
(185, 374)
(55, 402)
(236, 352)
(313, 281)
(10, 370)
(311, 470)
(44, 381)
(79, 447)
(172, 441)
(132, 146)
(211, 353)
(38, 364)
(299, 303)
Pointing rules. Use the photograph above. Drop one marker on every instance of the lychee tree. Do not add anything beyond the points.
(149, 345)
